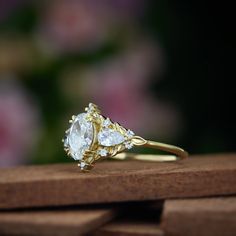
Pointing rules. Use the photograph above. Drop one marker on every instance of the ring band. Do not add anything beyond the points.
(92, 137)
(179, 153)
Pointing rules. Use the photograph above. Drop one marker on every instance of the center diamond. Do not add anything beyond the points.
(80, 136)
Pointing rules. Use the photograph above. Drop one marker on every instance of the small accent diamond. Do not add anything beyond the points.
(130, 133)
(102, 152)
(106, 123)
(82, 165)
(65, 141)
(128, 145)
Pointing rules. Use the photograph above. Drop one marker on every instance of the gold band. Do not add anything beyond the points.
(179, 153)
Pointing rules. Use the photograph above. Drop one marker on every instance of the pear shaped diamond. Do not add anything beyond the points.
(109, 137)
(80, 136)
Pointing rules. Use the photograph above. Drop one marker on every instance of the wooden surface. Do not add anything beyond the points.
(191, 217)
(205, 217)
(129, 228)
(117, 181)
(54, 221)
(119, 219)
(141, 220)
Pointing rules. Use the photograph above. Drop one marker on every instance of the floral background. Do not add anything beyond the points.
(153, 66)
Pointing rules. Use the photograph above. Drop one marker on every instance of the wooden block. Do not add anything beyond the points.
(129, 228)
(54, 221)
(141, 220)
(205, 217)
(117, 181)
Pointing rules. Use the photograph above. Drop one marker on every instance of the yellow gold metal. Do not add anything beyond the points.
(97, 149)
(179, 153)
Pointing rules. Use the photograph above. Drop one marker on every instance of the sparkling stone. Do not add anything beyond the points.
(66, 142)
(80, 136)
(128, 145)
(130, 133)
(102, 152)
(109, 137)
(106, 122)
(82, 165)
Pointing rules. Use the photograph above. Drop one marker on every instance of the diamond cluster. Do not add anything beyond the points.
(80, 136)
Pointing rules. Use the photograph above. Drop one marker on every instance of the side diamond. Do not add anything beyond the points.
(130, 133)
(106, 123)
(82, 165)
(109, 137)
(128, 145)
(102, 152)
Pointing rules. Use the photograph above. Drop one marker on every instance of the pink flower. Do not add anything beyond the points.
(70, 25)
(19, 124)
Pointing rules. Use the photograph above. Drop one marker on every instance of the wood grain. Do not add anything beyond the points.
(205, 217)
(140, 219)
(53, 222)
(117, 181)
(129, 228)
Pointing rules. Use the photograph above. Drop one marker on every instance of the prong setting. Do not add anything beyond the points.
(106, 140)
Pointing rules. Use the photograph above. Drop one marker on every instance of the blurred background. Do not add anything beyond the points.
(161, 68)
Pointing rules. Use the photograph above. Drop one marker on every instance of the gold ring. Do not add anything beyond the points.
(92, 137)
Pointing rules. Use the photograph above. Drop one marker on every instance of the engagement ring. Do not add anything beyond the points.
(92, 137)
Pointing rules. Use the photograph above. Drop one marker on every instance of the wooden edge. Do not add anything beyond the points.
(54, 222)
(129, 228)
(198, 216)
(118, 181)
(205, 217)
(139, 219)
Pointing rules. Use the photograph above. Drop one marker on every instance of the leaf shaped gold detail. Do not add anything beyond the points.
(138, 141)
(89, 156)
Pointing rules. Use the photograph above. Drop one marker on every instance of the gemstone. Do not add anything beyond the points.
(130, 133)
(80, 136)
(106, 123)
(109, 137)
(102, 152)
(65, 141)
(82, 165)
(128, 145)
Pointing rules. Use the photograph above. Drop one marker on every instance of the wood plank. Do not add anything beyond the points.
(139, 219)
(129, 228)
(54, 221)
(205, 217)
(117, 181)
